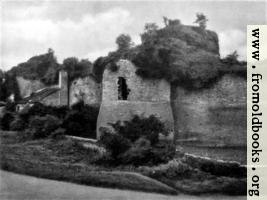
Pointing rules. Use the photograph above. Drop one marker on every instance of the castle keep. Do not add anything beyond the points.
(124, 94)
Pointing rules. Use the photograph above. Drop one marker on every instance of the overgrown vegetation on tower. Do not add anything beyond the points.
(187, 56)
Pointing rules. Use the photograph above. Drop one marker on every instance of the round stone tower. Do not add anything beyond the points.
(125, 94)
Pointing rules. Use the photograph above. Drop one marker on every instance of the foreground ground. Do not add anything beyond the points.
(14, 186)
(66, 160)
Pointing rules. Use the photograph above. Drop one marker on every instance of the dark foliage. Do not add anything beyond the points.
(6, 120)
(3, 92)
(138, 154)
(136, 142)
(76, 68)
(115, 143)
(42, 127)
(141, 152)
(11, 106)
(18, 124)
(187, 56)
(58, 133)
(124, 41)
(42, 67)
(8, 87)
(81, 120)
(39, 109)
(148, 128)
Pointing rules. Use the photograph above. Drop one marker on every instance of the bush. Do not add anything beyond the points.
(137, 142)
(148, 128)
(6, 120)
(39, 109)
(115, 144)
(18, 124)
(58, 133)
(162, 152)
(138, 154)
(81, 120)
(11, 106)
(41, 127)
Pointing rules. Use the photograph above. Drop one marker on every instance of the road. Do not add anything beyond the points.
(20, 187)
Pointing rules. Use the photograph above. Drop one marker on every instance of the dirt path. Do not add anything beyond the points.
(19, 187)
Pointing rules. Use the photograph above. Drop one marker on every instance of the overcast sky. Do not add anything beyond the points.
(87, 29)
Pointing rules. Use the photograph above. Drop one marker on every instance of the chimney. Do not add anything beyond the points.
(63, 85)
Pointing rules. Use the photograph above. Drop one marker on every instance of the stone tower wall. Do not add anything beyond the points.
(63, 85)
(140, 89)
(146, 97)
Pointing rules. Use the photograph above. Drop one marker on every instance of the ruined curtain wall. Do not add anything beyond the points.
(86, 89)
(215, 116)
(26, 87)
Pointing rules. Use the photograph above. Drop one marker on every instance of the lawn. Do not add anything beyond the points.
(238, 154)
(66, 160)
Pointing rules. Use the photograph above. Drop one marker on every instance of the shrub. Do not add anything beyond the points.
(137, 142)
(148, 128)
(41, 127)
(138, 154)
(39, 109)
(18, 124)
(58, 133)
(11, 106)
(162, 152)
(81, 120)
(6, 120)
(115, 144)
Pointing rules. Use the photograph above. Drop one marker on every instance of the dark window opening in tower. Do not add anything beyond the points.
(123, 90)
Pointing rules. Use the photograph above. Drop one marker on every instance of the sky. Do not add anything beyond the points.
(88, 29)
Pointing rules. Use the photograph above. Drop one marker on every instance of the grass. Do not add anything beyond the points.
(238, 154)
(183, 176)
(66, 160)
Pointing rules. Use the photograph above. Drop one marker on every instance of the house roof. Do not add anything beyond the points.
(39, 95)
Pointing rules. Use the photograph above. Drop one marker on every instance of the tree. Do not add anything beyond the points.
(69, 64)
(231, 58)
(151, 28)
(76, 68)
(2, 86)
(124, 42)
(201, 20)
(165, 21)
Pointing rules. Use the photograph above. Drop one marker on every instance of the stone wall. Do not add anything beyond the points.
(146, 97)
(215, 116)
(111, 112)
(63, 85)
(139, 89)
(86, 89)
(26, 87)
